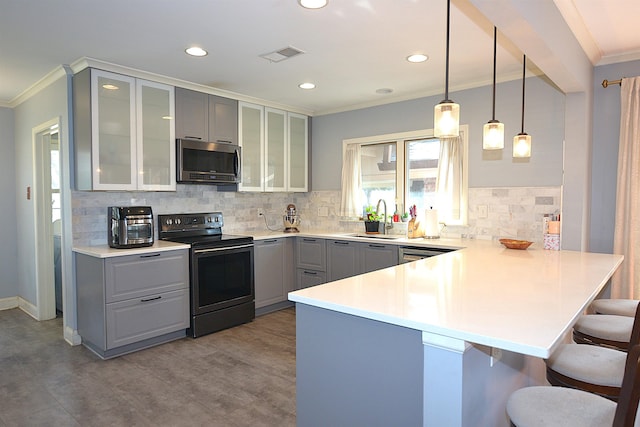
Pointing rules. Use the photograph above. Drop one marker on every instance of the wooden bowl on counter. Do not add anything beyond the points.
(515, 244)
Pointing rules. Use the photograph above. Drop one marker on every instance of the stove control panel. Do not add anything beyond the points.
(210, 221)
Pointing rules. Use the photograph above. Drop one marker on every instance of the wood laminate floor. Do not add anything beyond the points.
(243, 376)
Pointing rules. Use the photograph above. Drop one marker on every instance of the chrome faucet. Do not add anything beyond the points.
(384, 222)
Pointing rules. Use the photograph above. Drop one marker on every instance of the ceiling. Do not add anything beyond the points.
(352, 48)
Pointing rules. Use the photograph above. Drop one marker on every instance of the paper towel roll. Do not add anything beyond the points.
(431, 229)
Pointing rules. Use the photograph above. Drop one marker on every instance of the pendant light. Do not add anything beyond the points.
(446, 117)
(522, 141)
(493, 131)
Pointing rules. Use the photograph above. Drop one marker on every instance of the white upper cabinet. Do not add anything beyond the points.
(274, 149)
(124, 133)
(156, 153)
(251, 138)
(298, 171)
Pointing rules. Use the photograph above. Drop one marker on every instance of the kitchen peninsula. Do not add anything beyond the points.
(441, 341)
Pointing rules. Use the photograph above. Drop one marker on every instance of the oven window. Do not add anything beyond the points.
(223, 277)
(139, 231)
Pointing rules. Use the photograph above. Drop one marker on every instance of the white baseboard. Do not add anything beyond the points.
(71, 336)
(9, 303)
(28, 308)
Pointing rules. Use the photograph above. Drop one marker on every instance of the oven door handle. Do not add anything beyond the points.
(226, 248)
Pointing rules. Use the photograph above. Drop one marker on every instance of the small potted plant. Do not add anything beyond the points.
(405, 217)
(371, 220)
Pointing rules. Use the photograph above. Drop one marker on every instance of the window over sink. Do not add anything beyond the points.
(406, 169)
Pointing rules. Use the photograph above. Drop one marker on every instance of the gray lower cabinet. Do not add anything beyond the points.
(130, 302)
(375, 256)
(273, 269)
(307, 278)
(311, 261)
(343, 259)
(347, 258)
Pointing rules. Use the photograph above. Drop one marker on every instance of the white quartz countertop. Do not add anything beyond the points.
(517, 300)
(104, 251)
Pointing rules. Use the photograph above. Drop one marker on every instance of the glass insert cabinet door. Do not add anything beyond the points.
(156, 136)
(133, 133)
(275, 153)
(113, 131)
(251, 126)
(298, 152)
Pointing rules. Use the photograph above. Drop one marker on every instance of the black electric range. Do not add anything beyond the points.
(221, 270)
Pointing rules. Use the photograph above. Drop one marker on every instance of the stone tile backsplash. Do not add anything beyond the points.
(514, 212)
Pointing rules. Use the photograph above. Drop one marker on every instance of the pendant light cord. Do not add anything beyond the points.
(446, 78)
(524, 69)
(495, 36)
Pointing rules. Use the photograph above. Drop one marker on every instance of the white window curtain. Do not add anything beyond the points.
(351, 205)
(626, 281)
(449, 180)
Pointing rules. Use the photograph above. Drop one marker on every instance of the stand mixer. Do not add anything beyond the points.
(291, 219)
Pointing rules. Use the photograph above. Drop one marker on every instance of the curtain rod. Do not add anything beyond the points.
(606, 83)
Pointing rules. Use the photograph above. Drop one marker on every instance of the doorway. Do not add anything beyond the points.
(48, 217)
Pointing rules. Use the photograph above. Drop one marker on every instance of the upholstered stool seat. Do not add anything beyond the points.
(559, 406)
(618, 307)
(545, 406)
(587, 367)
(603, 329)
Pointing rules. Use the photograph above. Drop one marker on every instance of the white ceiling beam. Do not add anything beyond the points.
(538, 29)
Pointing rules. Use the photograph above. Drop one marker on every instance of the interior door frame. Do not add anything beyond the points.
(43, 244)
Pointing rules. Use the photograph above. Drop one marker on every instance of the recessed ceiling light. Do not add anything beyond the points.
(110, 87)
(196, 51)
(313, 4)
(384, 91)
(307, 85)
(418, 57)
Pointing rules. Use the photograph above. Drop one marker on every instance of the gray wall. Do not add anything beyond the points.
(544, 121)
(606, 135)
(46, 105)
(8, 233)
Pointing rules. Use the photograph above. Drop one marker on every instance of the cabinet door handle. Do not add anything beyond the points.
(376, 246)
(309, 240)
(312, 273)
(193, 137)
(149, 256)
(224, 141)
(151, 299)
(339, 242)
(271, 241)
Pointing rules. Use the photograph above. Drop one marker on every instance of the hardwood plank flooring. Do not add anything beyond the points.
(243, 376)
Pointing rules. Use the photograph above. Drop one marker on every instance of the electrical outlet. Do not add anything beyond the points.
(482, 211)
(260, 212)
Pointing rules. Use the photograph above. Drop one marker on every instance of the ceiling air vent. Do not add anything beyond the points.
(281, 54)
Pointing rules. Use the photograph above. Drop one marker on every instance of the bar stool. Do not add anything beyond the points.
(618, 307)
(604, 329)
(591, 368)
(560, 406)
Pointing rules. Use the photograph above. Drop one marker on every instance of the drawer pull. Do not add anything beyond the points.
(271, 241)
(376, 246)
(151, 299)
(339, 242)
(309, 240)
(149, 256)
(313, 273)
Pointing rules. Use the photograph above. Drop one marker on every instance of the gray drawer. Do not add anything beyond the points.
(136, 276)
(142, 318)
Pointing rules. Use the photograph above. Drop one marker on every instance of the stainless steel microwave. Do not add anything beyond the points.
(207, 162)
